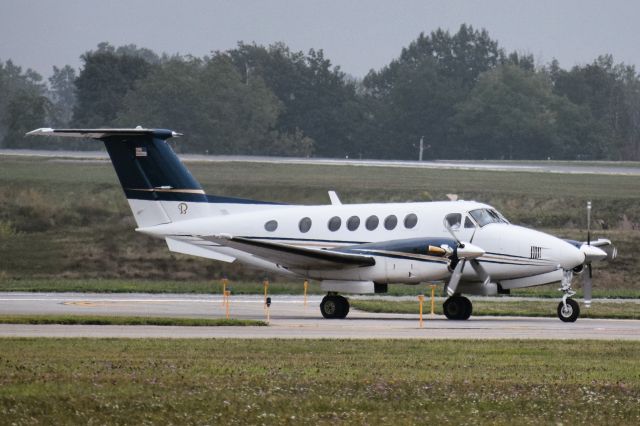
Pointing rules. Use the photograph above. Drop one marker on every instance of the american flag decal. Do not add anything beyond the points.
(141, 151)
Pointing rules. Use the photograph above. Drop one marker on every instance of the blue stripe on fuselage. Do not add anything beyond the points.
(176, 195)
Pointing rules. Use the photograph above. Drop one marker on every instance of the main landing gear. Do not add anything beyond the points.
(568, 309)
(334, 306)
(457, 308)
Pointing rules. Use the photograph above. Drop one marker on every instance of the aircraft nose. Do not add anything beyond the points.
(568, 256)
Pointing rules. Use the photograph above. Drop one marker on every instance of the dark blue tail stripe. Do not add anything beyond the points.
(148, 169)
(143, 194)
(147, 162)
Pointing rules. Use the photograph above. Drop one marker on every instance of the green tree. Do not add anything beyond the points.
(25, 111)
(611, 92)
(218, 109)
(317, 98)
(23, 105)
(62, 91)
(415, 95)
(103, 83)
(512, 113)
(462, 56)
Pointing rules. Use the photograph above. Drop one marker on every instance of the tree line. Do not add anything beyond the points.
(463, 94)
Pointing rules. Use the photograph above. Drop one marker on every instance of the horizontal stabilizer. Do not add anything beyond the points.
(294, 257)
(103, 133)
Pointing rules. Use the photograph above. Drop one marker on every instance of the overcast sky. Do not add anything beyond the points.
(357, 35)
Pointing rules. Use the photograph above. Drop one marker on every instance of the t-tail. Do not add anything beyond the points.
(157, 185)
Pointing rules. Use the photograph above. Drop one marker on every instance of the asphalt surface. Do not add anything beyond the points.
(289, 318)
(600, 167)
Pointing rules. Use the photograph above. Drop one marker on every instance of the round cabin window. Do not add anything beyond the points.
(305, 224)
(410, 221)
(372, 222)
(390, 222)
(334, 223)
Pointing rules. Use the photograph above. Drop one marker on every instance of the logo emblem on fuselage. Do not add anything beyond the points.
(183, 208)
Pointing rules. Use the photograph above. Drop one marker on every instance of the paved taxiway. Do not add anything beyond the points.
(289, 319)
(596, 167)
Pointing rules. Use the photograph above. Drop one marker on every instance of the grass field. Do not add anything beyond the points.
(153, 286)
(64, 219)
(121, 381)
(520, 308)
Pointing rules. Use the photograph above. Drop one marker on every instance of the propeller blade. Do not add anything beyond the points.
(586, 286)
(588, 223)
(452, 286)
(482, 273)
(455, 237)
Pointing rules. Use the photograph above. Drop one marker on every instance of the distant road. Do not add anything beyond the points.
(597, 167)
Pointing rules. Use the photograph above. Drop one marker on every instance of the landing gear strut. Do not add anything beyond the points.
(568, 309)
(334, 306)
(457, 308)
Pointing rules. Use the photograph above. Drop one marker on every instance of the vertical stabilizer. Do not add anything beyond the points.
(157, 185)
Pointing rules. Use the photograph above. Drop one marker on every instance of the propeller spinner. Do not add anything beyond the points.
(465, 252)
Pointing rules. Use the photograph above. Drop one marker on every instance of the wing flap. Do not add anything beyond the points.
(184, 247)
(293, 257)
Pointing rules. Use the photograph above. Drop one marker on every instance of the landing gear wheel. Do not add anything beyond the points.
(345, 306)
(333, 307)
(457, 308)
(570, 312)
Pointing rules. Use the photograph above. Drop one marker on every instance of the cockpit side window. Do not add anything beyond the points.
(468, 223)
(453, 220)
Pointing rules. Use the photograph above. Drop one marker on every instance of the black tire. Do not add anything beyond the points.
(468, 308)
(333, 307)
(330, 307)
(570, 313)
(457, 308)
(344, 306)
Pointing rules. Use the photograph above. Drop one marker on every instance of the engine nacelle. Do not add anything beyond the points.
(478, 289)
(353, 287)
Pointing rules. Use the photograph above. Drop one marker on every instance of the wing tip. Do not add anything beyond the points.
(40, 131)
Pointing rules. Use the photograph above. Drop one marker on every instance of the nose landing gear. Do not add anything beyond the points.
(568, 309)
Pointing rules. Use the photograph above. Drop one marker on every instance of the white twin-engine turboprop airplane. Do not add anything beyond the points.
(350, 248)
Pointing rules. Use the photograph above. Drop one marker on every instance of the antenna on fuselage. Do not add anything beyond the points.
(335, 200)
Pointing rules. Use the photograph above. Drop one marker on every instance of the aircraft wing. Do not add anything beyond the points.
(293, 257)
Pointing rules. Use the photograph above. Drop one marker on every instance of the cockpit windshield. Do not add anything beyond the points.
(487, 216)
